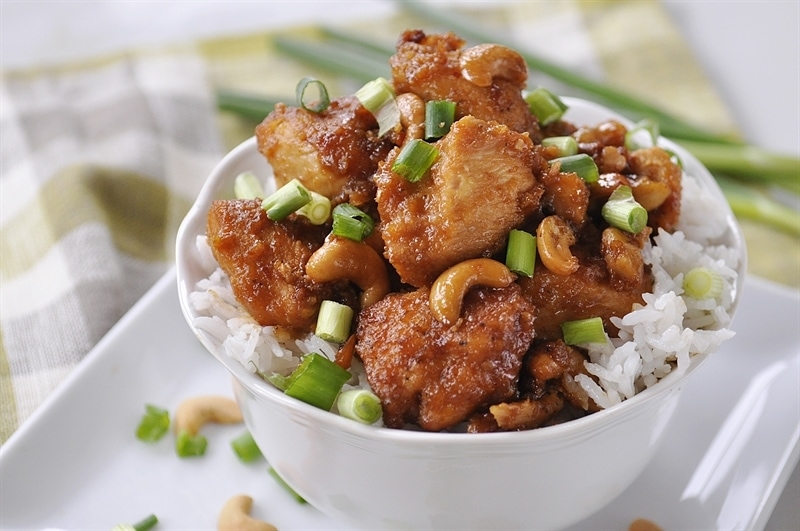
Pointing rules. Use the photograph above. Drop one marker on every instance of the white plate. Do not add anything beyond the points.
(77, 465)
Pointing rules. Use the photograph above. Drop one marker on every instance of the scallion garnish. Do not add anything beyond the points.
(359, 404)
(318, 105)
(245, 447)
(286, 200)
(521, 252)
(351, 222)
(583, 331)
(581, 164)
(153, 425)
(318, 210)
(643, 128)
(623, 212)
(283, 484)
(567, 145)
(702, 283)
(546, 106)
(377, 96)
(316, 381)
(439, 116)
(145, 524)
(188, 445)
(415, 159)
(247, 186)
(333, 322)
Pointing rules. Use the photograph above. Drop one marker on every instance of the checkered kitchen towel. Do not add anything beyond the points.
(99, 161)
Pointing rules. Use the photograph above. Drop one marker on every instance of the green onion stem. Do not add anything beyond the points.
(377, 96)
(333, 321)
(318, 210)
(747, 202)
(245, 448)
(250, 106)
(546, 106)
(415, 159)
(521, 252)
(702, 283)
(153, 425)
(583, 331)
(351, 222)
(315, 105)
(332, 59)
(566, 145)
(144, 524)
(623, 212)
(378, 52)
(359, 404)
(439, 116)
(317, 381)
(188, 445)
(247, 186)
(581, 164)
(284, 485)
(286, 200)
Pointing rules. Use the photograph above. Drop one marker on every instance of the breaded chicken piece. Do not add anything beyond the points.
(483, 184)
(434, 375)
(333, 152)
(265, 261)
(431, 66)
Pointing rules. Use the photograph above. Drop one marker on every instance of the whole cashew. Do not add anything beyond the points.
(484, 62)
(193, 413)
(448, 290)
(345, 259)
(235, 516)
(649, 193)
(412, 115)
(622, 255)
(553, 240)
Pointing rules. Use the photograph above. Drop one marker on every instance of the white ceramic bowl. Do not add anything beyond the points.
(379, 478)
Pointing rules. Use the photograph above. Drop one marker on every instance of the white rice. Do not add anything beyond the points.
(655, 339)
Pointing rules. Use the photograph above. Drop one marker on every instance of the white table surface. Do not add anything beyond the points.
(751, 50)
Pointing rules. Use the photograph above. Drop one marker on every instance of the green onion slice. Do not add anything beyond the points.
(333, 322)
(283, 484)
(153, 425)
(320, 103)
(644, 133)
(188, 445)
(521, 252)
(377, 96)
(360, 404)
(145, 524)
(567, 145)
(318, 210)
(316, 381)
(623, 212)
(581, 164)
(247, 186)
(415, 159)
(546, 106)
(351, 222)
(583, 331)
(245, 448)
(439, 116)
(286, 200)
(703, 283)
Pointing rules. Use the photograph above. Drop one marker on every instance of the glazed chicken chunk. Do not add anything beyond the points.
(483, 184)
(434, 375)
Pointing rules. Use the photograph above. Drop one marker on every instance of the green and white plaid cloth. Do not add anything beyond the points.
(99, 161)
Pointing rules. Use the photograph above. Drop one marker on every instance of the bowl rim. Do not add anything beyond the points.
(576, 428)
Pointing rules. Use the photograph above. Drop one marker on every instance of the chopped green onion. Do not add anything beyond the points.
(245, 447)
(188, 445)
(623, 212)
(546, 106)
(317, 381)
(286, 200)
(415, 159)
(567, 145)
(581, 164)
(318, 210)
(702, 283)
(351, 222)
(333, 322)
(282, 483)
(439, 116)
(377, 96)
(143, 525)
(322, 101)
(360, 404)
(645, 127)
(583, 331)
(247, 186)
(154, 424)
(521, 253)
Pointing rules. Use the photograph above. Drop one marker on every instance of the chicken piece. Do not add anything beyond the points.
(265, 261)
(484, 183)
(528, 413)
(554, 365)
(656, 165)
(434, 67)
(333, 152)
(434, 375)
(566, 195)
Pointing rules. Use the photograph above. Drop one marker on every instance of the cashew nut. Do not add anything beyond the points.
(235, 516)
(649, 193)
(623, 256)
(484, 62)
(412, 115)
(193, 413)
(357, 262)
(448, 290)
(553, 240)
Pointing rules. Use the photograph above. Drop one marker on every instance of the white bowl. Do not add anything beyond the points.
(379, 478)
